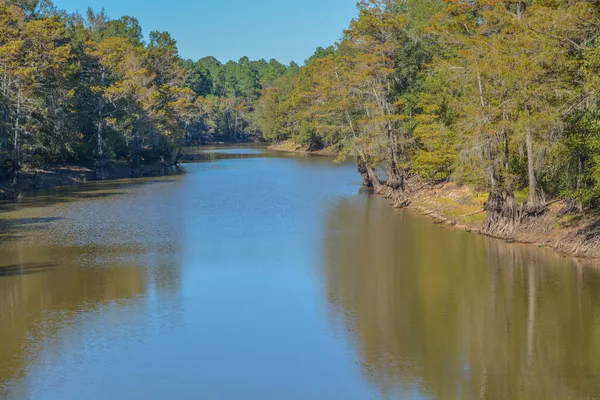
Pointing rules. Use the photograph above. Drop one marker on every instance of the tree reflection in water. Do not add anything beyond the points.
(459, 315)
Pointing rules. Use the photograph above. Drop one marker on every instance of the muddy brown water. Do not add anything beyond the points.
(257, 275)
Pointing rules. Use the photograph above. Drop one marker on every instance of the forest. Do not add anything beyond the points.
(90, 89)
(499, 95)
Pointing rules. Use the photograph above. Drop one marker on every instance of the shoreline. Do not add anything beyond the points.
(447, 204)
(291, 147)
(460, 207)
(32, 180)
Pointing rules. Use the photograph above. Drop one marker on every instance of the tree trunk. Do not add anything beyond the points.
(511, 212)
(503, 213)
(177, 157)
(493, 208)
(5, 112)
(395, 187)
(374, 179)
(396, 178)
(535, 203)
(101, 162)
(135, 152)
(507, 178)
(579, 182)
(17, 144)
(364, 173)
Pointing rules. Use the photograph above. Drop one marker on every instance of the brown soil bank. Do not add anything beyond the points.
(462, 208)
(31, 179)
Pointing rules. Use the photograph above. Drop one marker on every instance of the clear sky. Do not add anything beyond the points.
(288, 30)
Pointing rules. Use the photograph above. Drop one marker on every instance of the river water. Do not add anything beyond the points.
(256, 275)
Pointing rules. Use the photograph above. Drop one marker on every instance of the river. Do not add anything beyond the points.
(257, 275)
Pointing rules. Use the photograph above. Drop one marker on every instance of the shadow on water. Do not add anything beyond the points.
(58, 267)
(27, 221)
(198, 155)
(86, 191)
(12, 230)
(26, 269)
(10, 238)
(221, 153)
(8, 227)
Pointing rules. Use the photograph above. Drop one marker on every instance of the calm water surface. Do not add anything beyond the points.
(260, 276)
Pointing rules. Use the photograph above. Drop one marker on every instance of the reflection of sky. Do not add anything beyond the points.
(223, 282)
(230, 305)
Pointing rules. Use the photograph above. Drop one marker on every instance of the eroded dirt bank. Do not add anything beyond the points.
(461, 207)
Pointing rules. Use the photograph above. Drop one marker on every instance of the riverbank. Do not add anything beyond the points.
(33, 179)
(217, 140)
(290, 146)
(461, 207)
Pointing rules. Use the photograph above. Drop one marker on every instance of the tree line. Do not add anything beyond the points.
(499, 94)
(88, 88)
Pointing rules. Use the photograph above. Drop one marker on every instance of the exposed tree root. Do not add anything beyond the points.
(536, 204)
(503, 216)
(394, 189)
(393, 193)
(506, 219)
(584, 242)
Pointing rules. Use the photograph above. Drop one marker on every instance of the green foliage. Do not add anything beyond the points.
(307, 136)
(501, 95)
(230, 96)
(88, 87)
(321, 53)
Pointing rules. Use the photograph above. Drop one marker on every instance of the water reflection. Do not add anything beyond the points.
(94, 304)
(251, 151)
(458, 315)
(217, 153)
(93, 254)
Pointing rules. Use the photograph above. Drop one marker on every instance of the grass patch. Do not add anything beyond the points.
(480, 197)
(447, 201)
(288, 145)
(460, 212)
(475, 219)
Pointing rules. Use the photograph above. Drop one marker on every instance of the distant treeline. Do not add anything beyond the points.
(500, 95)
(90, 88)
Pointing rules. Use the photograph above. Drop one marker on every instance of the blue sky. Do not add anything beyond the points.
(288, 30)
